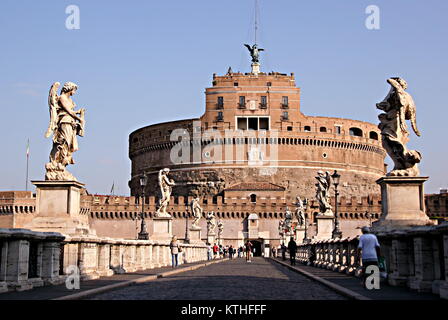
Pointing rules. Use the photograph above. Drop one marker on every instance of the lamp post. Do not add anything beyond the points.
(187, 236)
(305, 207)
(336, 231)
(143, 234)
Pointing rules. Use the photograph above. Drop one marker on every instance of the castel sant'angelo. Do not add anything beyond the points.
(253, 152)
(248, 157)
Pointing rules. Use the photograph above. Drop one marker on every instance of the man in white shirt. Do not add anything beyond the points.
(369, 249)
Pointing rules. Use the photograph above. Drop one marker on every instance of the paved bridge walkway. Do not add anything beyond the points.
(261, 279)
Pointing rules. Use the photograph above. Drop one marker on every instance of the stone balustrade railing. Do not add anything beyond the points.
(31, 259)
(416, 257)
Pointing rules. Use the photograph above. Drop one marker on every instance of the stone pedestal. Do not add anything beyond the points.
(58, 208)
(300, 235)
(195, 235)
(162, 228)
(403, 203)
(211, 238)
(325, 225)
(255, 68)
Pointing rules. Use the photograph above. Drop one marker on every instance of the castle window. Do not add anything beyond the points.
(307, 128)
(220, 116)
(289, 128)
(285, 103)
(220, 104)
(242, 102)
(242, 123)
(323, 129)
(235, 84)
(253, 123)
(356, 132)
(285, 115)
(264, 123)
(253, 198)
(373, 135)
(269, 84)
(337, 129)
(264, 102)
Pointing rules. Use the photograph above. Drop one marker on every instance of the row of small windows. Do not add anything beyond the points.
(264, 125)
(273, 215)
(284, 141)
(242, 102)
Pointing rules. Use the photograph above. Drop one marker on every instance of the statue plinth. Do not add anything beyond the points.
(211, 238)
(195, 234)
(325, 225)
(58, 208)
(403, 203)
(162, 228)
(255, 68)
(300, 235)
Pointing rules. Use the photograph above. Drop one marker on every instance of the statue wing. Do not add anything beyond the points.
(328, 178)
(248, 47)
(53, 105)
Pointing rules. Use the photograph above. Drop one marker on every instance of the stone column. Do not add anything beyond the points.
(116, 261)
(104, 260)
(50, 263)
(443, 288)
(129, 258)
(3, 265)
(88, 261)
(401, 262)
(17, 265)
(149, 264)
(156, 255)
(424, 265)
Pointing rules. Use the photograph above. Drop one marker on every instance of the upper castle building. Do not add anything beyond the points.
(253, 131)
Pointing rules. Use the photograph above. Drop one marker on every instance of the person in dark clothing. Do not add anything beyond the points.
(283, 248)
(292, 248)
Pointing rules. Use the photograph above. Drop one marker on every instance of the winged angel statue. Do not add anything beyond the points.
(65, 125)
(398, 106)
(323, 192)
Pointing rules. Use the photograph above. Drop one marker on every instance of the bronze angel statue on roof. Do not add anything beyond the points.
(254, 52)
(65, 125)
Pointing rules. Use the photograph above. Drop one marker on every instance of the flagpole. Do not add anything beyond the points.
(27, 164)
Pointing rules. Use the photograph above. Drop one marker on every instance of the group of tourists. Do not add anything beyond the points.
(368, 249)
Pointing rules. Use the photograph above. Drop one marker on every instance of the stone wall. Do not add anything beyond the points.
(31, 259)
(416, 257)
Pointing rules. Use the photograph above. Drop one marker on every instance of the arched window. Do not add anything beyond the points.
(253, 198)
(373, 135)
(323, 129)
(307, 128)
(355, 132)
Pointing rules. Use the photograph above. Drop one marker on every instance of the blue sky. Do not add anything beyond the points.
(144, 62)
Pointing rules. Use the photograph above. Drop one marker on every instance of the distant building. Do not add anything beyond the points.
(437, 205)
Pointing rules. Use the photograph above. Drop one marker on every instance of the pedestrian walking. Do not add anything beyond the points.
(292, 248)
(274, 252)
(215, 251)
(369, 250)
(283, 248)
(175, 249)
(248, 248)
(231, 252)
(209, 251)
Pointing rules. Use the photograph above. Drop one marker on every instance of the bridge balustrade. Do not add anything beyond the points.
(31, 259)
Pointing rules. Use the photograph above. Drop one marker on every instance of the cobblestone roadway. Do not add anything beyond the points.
(229, 280)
